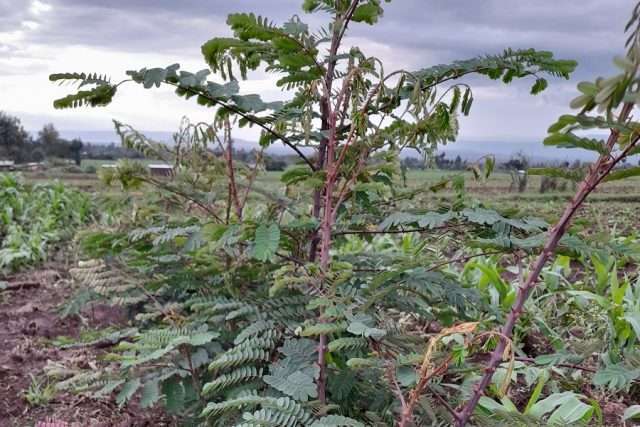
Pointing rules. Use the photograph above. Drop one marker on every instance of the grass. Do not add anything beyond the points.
(39, 392)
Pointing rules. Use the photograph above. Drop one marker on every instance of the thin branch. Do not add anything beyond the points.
(560, 365)
(463, 259)
(18, 286)
(184, 195)
(250, 118)
(400, 231)
(597, 173)
(443, 402)
(233, 189)
(252, 179)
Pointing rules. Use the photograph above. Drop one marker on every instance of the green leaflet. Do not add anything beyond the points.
(569, 140)
(368, 13)
(127, 391)
(615, 376)
(323, 329)
(575, 175)
(508, 65)
(350, 343)
(631, 412)
(619, 174)
(299, 385)
(336, 421)
(428, 220)
(364, 325)
(266, 241)
(150, 394)
(97, 97)
(232, 378)
(294, 375)
(174, 393)
(482, 216)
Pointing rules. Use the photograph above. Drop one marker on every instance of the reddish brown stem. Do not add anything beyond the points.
(326, 159)
(233, 189)
(414, 396)
(596, 174)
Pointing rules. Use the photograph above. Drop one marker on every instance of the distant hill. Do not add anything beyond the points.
(467, 150)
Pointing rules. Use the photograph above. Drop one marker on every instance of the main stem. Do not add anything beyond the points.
(601, 168)
(325, 161)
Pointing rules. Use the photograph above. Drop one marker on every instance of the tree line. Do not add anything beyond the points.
(18, 145)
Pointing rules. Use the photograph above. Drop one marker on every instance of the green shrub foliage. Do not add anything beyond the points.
(329, 303)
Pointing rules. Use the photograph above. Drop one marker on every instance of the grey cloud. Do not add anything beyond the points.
(418, 32)
(588, 30)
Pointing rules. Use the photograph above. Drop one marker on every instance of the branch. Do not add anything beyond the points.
(233, 189)
(443, 402)
(560, 365)
(184, 195)
(401, 231)
(250, 118)
(462, 259)
(598, 171)
(18, 286)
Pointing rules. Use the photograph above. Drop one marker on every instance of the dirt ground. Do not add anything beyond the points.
(29, 320)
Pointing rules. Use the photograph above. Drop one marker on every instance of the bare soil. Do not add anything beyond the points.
(29, 320)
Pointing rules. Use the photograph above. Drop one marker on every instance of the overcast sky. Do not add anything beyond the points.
(39, 37)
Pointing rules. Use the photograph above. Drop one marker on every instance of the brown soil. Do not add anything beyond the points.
(29, 319)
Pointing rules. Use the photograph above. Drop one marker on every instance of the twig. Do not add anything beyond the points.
(233, 190)
(400, 231)
(443, 402)
(462, 259)
(561, 365)
(250, 118)
(18, 285)
(428, 371)
(101, 343)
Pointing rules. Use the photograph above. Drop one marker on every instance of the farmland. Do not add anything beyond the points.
(61, 335)
(354, 286)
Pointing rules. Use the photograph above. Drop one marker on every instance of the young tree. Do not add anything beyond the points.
(355, 114)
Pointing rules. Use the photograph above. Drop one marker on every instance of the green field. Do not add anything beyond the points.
(621, 195)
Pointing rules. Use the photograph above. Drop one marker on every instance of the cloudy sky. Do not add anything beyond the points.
(39, 37)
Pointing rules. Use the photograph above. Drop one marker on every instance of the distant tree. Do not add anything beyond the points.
(15, 143)
(413, 163)
(76, 148)
(457, 164)
(517, 162)
(51, 143)
(48, 135)
(274, 164)
(441, 161)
